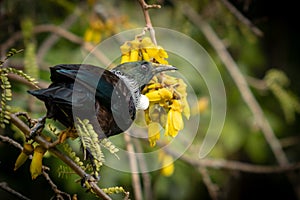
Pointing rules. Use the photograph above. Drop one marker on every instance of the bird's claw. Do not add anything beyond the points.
(37, 127)
(31, 122)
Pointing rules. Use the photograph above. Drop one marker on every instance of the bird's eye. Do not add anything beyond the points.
(144, 67)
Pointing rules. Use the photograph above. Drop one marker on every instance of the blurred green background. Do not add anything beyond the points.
(241, 139)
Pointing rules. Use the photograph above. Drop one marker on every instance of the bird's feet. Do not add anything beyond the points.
(86, 180)
(37, 127)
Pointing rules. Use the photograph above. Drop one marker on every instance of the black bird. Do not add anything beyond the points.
(108, 99)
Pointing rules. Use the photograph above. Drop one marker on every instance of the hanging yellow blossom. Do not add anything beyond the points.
(167, 164)
(94, 31)
(27, 150)
(143, 50)
(36, 163)
(153, 133)
(174, 122)
(100, 28)
(167, 94)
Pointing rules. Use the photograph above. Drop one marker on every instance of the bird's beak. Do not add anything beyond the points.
(160, 68)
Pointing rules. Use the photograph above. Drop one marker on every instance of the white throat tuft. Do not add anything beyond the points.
(143, 103)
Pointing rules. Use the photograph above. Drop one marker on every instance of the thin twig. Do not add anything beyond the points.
(211, 187)
(245, 167)
(47, 145)
(233, 165)
(45, 174)
(59, 194)
(257, 83)
(145, 175)
(15, 77)
(61, 32)
(5, 187)
(290, 141)
(10, 141)
(53, 38)
(145, 8)
(240, 81)
(242, 18)
(134, 167)
(244, 89)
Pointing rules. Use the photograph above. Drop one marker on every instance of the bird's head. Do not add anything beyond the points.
(141, 71)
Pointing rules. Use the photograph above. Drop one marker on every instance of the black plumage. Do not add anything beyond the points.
(108, 99)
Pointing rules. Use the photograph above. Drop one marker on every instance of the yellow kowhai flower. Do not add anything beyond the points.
(98, 29)
(166, 94)
(143, 50)
(92, 35)
(153, 133)
(27, 150)
(201, 106)
(36, 163)
(162, 94)
(174, 121)
(167, 164)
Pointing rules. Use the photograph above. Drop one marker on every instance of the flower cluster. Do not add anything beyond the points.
(143, 49)
(167, 94)
(102, 25)
(37, 153)
(97, 29)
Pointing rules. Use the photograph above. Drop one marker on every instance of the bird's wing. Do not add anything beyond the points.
(58, 77)
(97, 80)
(62, 94)
(62, 104)
(110, 91)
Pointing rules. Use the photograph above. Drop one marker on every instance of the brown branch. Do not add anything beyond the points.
(61, 32)
(47, 145)
(15, 77)
(242, 18)
(290, 141)
(257, 83)
(5, 187)
(243, 88)
(211, 187)
(59, 194)
(239, 80)
(53, 38)
(145, 7)
(145, 175)
(134, 167)
(234, 165)
(10, 42)
(10, 141)
(245, 167)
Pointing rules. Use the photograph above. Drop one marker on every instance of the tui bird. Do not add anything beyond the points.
(107, 98)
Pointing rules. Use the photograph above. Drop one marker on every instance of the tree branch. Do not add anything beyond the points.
(211, 187)
(4, 186)
(137, 188)
(61, 32)
(47, 145)
(242, 18)
(145, 175)
(239, 80)
(233, 165)
(145, 8)
(11, 141)
(59, 194)
(244, 89)
(52, 39)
